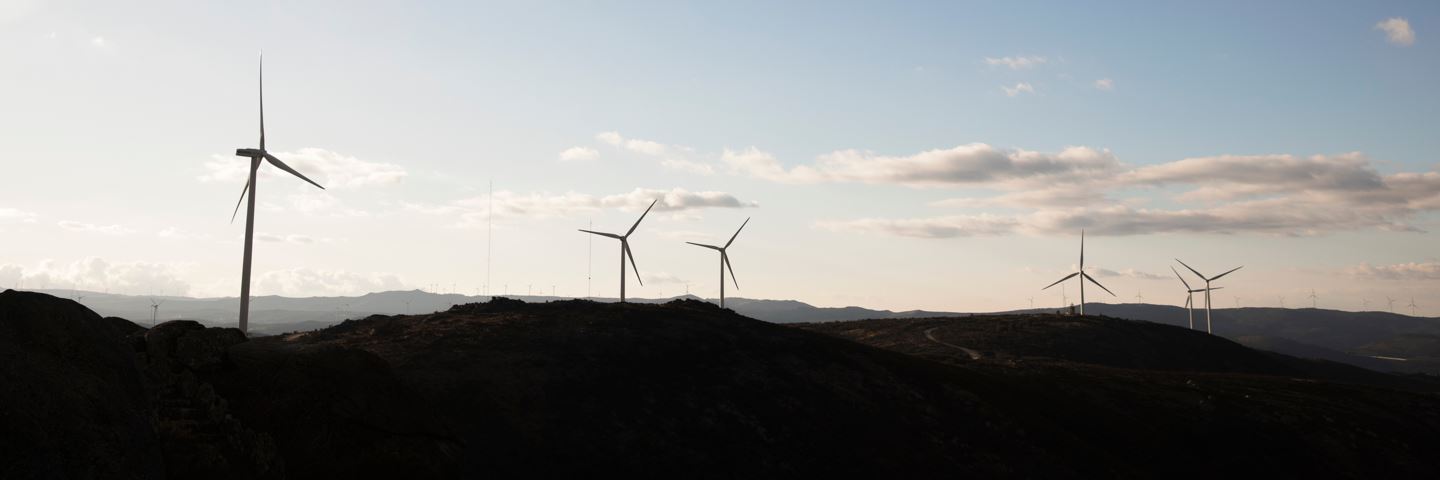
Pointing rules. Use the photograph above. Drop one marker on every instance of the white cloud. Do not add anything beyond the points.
(1017, 63)
(1397, 31)
(293, 238)
(311, 282)
(1126, 273)
(96, 274)
(1402, 271)
(472, 211)
(688, 166)
(75, 226)
(331, 169)
(973, 164)
(612, 138)
(99, 42)
(17, 215)
(1019, 88)
(937, 227)
(175, 233)
(663, 278)
(576, 154)
(1105, 84)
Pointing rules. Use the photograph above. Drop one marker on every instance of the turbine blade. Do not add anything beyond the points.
(1057, 282)
(737, 233)
(1082, 250)
(242, 200)
(1182, 279)
(1217, 277)
(1202, 277)
(1092, 280)
(726, 258)
(603, 234)
(276, 162)
(262, 100)
(642, 217)
(712, 247)
(626, 246)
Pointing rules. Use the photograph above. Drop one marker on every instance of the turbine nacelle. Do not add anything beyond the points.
(250, 153)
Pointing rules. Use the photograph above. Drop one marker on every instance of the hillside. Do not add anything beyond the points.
(507, 388)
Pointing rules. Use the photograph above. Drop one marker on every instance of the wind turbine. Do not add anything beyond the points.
(255, 155)
(1190, 296)
(625, 249)
(154, 310)
(1392, 303)
(725, 261)
(1314, 300)
(1282, 301)
(1207, 290)
(1412, 306)
(1083, 276)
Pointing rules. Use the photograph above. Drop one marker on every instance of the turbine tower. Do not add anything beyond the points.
(255, 155)
(1391, 301)
(1207, 289)
(1083, 276)
(1314, 300)
(1412, 306)
(1190, 296)
(154, 310)
(725, 261)
(625, 249)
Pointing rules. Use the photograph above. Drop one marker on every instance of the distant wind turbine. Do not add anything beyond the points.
(1208, 326)
(1138, 297)
(255, 155)
(1392, 303)
(1190, 296)
(1083, 276)
(1282, 301)
(1412, 306)
(1314, 300)
(625, 249)
(155, 310)
(725, 261)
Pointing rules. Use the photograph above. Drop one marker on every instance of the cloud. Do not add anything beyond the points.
(97, 274)
(175, 233)
(1017, 63)
(663, 278)
(17, 215)
(937, 227)
(99, 42)
(472, 211)
(690, 166)
(1397, 31)
(1228, 177)
(1019, 88)
(296, 239)
(578, 154)
(311, 282)
(331, 169)
(1105, 84)
(612, 138)
(1402, 271)
(973, 164)
(1126, 273)
(92, 228)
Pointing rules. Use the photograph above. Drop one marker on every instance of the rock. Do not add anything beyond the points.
(73, 400)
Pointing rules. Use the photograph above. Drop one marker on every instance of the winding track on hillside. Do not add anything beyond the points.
(930, 334)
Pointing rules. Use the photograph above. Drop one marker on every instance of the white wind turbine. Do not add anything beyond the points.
(1391, 301)
(725, 261)
(155, 310)
(1190, 296)
(1083, 276)
(255, 155)
(1412, 306)
(625, 249)
(1314, 300)
(1207, 289)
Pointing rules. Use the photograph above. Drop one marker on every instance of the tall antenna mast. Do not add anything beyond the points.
(489, 232)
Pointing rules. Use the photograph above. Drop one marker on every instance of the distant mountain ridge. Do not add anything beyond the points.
(1355, 338)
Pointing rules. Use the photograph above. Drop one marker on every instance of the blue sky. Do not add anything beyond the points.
(1293, 137)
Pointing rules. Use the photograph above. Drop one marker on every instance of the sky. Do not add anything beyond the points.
(925, 155)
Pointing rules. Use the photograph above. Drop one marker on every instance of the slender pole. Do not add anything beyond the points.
(489, 233)
(722, 279)
(622, 271)
(1190, 305)
(1208, 327)
(249, 243)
